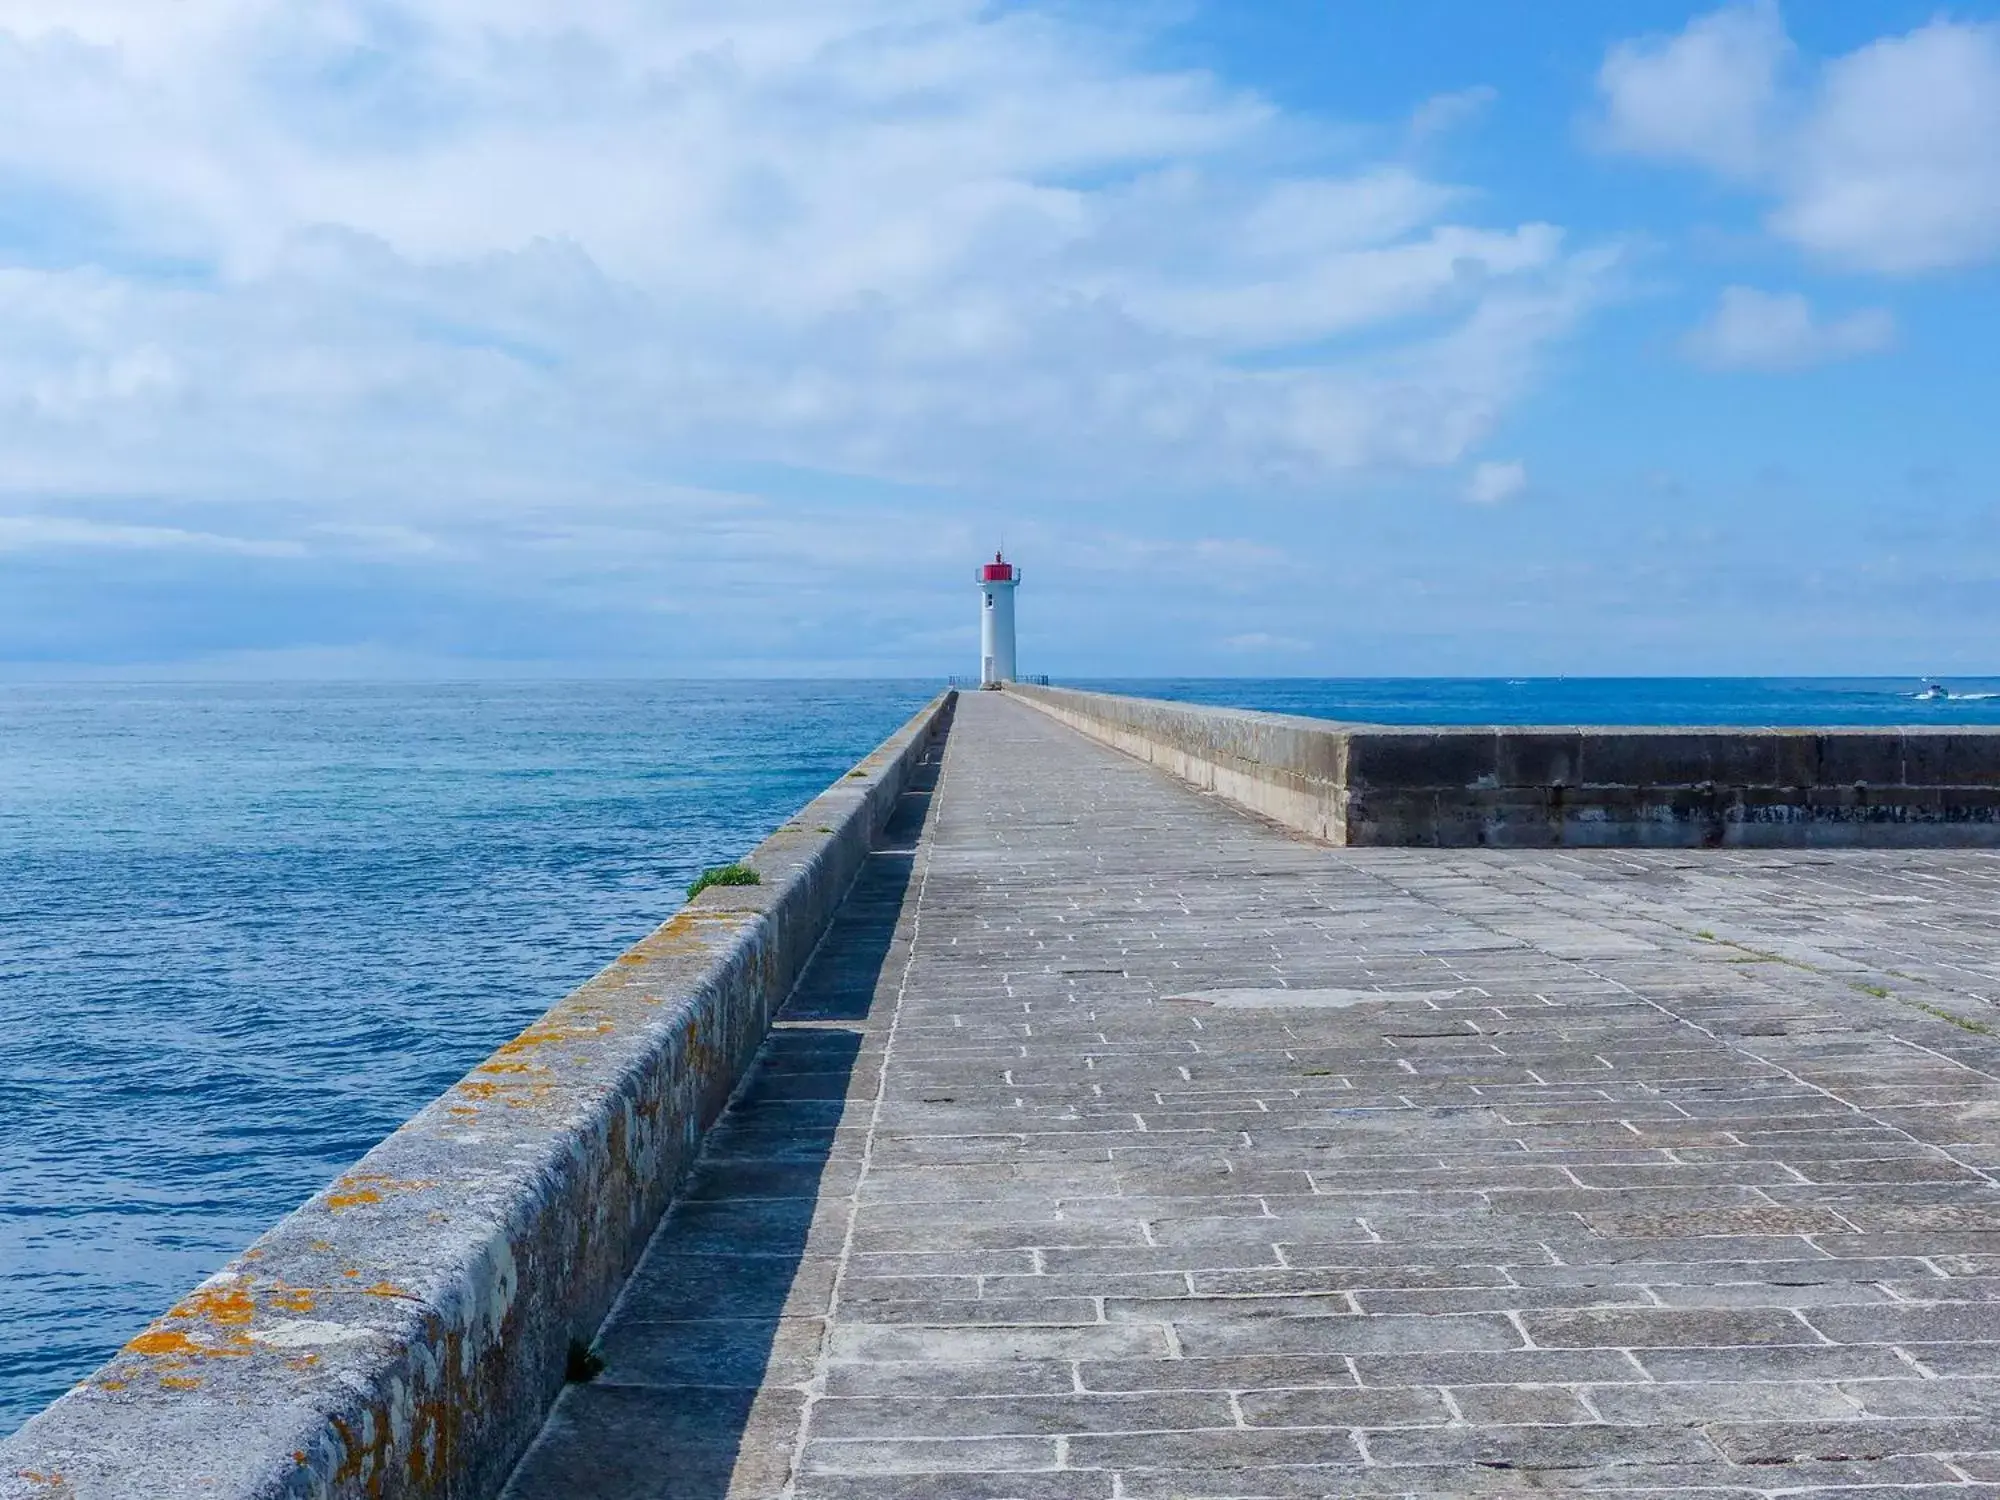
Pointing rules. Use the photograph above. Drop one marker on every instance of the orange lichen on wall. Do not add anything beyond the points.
(166, 1341)
(173, 1349)
(351, 1453)
(358, 1188)
(583, 1017)
(231, 1306)
(563, 1024)
(225, 1309)
(700, 1056)
(368, 1455)
(682, 934)
(516, 1095)
(440, 1417)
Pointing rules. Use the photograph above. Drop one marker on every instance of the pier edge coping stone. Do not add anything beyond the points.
(1540, 786)
(404, 1333)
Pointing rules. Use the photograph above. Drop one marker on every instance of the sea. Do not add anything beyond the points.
(248, 929)
(1736, 701)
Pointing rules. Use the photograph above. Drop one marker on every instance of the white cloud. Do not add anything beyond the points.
(1706, 95)
(1899, 167)
(50, 533)
(386, 258)
(1491, 483)
(1101, 552)
(1881, 160)
(1309, 217)
(1447, 112)
(1753, 330)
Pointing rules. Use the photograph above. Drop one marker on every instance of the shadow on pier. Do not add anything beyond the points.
(725, 1316)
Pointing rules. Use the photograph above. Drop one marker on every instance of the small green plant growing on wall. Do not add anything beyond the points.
(723, 875)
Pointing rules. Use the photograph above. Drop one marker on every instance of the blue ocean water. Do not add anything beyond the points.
(1588, 700)
(246, 931)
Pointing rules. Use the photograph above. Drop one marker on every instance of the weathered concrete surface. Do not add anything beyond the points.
(1289, 769)
(404, 1333)
(1650, 1173)
(1589, 787)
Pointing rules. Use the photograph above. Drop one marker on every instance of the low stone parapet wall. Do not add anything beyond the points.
(1291, 770)
(405, 1332)
(1585, 786)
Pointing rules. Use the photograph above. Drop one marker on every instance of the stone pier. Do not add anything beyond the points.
(1116, 1144)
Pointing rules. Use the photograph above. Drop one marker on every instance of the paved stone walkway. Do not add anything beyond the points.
(1635, 1173)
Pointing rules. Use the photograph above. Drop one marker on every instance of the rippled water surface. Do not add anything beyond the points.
(1592, 700)
(246, 931)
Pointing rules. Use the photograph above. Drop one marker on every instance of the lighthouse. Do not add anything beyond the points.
(997, 581)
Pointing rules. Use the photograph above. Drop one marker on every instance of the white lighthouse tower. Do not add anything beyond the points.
(997, 581)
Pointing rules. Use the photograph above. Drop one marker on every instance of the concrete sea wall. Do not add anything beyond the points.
(404, 1333)
(1290, 770)
(1541, 787)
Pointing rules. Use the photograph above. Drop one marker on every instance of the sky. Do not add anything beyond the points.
(459, 338)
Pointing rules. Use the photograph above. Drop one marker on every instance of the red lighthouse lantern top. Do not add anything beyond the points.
(997, 571)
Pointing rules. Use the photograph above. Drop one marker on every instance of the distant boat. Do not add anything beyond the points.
(1933, 692)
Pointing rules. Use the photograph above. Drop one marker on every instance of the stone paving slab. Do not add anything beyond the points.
(1649, 1173)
